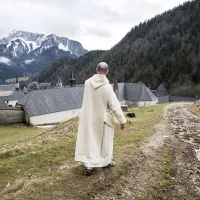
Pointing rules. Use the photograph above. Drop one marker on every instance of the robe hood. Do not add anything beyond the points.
(98, 80)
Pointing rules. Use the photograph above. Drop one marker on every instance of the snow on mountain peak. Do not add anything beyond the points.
(63, 47)
(25, 49)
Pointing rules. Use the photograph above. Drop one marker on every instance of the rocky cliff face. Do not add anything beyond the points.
(32, 51)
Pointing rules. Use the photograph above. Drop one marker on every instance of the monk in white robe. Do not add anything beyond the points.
(94, 145)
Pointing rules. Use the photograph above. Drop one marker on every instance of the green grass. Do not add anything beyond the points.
(164, 181)
(11, 80)
(16, 133)
(36, 171)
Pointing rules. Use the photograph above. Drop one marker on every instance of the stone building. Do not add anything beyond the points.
(52, 106)
(135, 94)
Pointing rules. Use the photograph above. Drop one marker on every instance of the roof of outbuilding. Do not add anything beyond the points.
(134, 92)
(138, 92)
(2, 103)
(10, 87)
(162, 91)
(16, 95)
(155, 92)
(40, 102)
(5, 94)
(6, 91)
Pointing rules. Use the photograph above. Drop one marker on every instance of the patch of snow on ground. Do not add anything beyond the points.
(28, 61)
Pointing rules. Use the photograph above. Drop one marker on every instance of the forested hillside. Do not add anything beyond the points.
(65, 66)
(8, 71)
(163, 49)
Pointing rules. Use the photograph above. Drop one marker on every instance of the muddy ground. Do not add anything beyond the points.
(167, 165)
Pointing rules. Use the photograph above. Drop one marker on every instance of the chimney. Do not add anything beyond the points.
(72, 80)
(17, 83)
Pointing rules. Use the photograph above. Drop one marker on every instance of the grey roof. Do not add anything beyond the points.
(138, 92)
(16, 95)
(164, 99)
(2, 103)
(40, 102)
(155, 92)
(162, 91)
(10, 87)
(5, 94)
(134, 92)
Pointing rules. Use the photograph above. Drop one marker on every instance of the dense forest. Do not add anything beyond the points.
(165, 49)
(7, 71)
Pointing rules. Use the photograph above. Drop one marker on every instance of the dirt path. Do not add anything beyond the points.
(166, 166)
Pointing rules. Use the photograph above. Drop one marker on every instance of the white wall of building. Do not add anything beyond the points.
(147, 103)
(138, 103)
(52, 118)
(13, 103)
(123, 102)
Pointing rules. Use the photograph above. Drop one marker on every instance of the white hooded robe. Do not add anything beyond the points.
(94, 145)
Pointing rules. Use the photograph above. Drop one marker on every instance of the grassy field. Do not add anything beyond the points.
(11, 80)
(10, 135)
(39, 164)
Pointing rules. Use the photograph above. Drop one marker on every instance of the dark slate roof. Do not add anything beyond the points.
(165, 99)
(134, 92)
(155, 92)
(16, 95)
(2, 103)
(162, 91)
(138, 92)
(40, 102)
(10, 87)
(121, 91)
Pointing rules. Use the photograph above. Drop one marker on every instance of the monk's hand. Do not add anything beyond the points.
(123, 126)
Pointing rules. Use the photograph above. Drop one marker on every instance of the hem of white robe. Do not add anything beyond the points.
(84, 160)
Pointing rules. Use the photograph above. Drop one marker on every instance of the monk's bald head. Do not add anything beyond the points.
(102, 68)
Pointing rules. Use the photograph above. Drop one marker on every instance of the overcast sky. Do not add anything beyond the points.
(97, 24)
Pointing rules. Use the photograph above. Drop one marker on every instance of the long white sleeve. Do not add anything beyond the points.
(115, 107)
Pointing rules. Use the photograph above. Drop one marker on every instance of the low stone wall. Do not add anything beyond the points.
(168, 98)
(9, 115)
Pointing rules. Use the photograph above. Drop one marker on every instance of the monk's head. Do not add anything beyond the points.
(102, 68)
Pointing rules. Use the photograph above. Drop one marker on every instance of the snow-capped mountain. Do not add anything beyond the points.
(33, 51)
